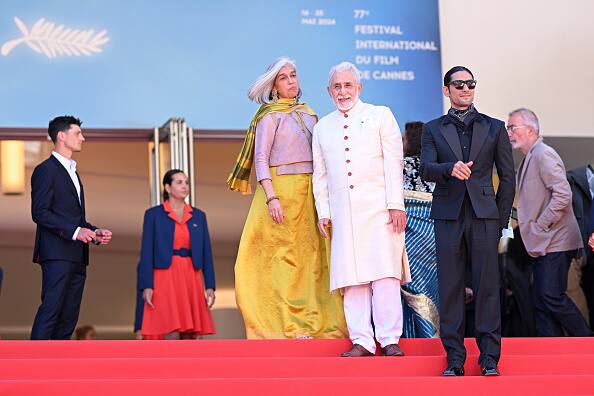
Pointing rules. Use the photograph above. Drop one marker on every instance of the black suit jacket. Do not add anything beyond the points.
(591, 221)
(56, 210)
(581, 199)
(441, 149)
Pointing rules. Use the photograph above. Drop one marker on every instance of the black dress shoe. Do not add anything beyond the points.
(453, 371)
(490, 371)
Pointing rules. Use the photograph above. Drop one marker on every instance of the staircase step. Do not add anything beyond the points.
(269, 348)
(290, 367)
(556, 385)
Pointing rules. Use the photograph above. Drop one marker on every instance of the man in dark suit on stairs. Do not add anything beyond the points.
(63, 233)
(458, 153)
(581, 181)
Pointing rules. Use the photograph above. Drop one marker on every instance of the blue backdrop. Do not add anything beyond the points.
(196, 59)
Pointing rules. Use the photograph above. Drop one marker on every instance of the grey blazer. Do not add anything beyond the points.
(545, 215)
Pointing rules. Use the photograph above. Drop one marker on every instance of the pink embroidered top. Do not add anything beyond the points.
(283, 142)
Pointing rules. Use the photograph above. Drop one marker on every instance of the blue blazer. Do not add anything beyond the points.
(57, 212)
(156, 250)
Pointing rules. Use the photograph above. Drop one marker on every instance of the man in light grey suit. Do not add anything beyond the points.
(548, 227)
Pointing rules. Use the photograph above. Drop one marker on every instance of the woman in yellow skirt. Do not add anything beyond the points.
(281, 272)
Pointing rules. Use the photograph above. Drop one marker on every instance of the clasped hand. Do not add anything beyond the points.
(99, 236)
(462, 170)
(103, 236)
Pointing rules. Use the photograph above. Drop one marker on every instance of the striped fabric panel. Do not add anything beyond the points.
(420, 246)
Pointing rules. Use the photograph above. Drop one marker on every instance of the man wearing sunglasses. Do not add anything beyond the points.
(548, 227)
(459, 151)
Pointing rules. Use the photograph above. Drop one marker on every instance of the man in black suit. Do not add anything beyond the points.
(63, 234)
(581, 181)
(458, 154)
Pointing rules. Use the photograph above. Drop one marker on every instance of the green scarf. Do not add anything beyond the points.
(239, 179)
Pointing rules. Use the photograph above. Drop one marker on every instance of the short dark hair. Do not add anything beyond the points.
(81, 332)
(61, 124)
(447, 78)
(413, 131)
(168, 179)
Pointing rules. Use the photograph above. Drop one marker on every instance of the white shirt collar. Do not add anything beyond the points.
(69, 164)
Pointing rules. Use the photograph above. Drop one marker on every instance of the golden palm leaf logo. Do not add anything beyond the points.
(51, 40)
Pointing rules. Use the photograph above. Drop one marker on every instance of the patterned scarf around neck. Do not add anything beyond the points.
(463, 118)
(461, 114)
(239, 179)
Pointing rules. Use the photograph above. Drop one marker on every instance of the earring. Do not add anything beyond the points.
(274, 95)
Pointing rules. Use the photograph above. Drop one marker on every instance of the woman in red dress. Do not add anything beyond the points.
(175, 266)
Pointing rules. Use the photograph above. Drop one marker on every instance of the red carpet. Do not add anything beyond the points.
(529, 366)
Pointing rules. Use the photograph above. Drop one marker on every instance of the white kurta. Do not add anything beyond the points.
(358, 176)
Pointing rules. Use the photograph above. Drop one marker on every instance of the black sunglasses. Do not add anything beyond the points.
(459, 84)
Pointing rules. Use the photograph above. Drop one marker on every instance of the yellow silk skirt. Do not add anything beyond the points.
(281, 273)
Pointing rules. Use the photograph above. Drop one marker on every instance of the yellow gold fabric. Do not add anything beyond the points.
(418, 195)
(281, 273)
(423, 306)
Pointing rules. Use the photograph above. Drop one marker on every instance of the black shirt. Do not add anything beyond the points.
(463, 120)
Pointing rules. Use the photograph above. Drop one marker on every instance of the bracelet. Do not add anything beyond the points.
(271, 199)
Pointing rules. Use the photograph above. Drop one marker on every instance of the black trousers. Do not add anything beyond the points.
(61, 294)
(588, 283)
(471, 242)
(554, 311)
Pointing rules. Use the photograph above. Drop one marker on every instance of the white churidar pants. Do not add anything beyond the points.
(380, 298)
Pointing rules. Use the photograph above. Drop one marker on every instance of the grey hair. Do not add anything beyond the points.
(344, 66)
(260, 90)
(529, 118)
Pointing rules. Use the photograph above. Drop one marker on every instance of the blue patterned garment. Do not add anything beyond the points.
(412, 176)
(421, 296)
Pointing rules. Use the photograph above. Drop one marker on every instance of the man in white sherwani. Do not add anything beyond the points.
(357, 184)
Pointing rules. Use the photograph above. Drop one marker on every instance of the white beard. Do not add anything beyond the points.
(346, 106)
